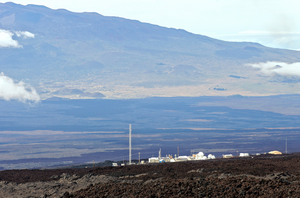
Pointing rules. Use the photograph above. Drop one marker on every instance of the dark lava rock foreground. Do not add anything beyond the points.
(260, 176)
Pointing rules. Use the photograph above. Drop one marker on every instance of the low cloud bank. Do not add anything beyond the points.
(24, 34)
(9, 90)
(6, 38)
(280, 68)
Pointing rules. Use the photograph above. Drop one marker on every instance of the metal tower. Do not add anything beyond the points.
(129, 144)
(285, 145)
(159, 154)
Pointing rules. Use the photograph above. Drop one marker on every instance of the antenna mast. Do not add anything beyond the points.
(159, 154)
(139, 157)
(285, 145)
(129, 144)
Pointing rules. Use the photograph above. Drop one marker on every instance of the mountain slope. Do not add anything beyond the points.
(123, 58)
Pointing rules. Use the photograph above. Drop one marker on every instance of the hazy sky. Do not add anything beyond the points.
(271, 22)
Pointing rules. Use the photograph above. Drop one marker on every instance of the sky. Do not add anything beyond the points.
(273, 23)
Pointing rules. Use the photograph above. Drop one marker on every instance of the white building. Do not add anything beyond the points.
(244, 155)
(227, 156)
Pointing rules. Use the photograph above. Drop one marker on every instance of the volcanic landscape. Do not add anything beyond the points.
(85, 76)
(255, 176)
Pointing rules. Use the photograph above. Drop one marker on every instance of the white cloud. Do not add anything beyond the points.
(280, 68)
(9, 90)
(260, 32)
(24, 34)
(275, 39)
(6, 39)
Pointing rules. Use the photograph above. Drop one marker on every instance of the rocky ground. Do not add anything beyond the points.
(260, 176)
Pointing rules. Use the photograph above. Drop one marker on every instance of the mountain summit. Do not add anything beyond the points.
(87, 55)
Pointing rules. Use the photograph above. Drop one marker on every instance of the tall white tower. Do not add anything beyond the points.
(285, 145)
(159, 154)
(129, 144)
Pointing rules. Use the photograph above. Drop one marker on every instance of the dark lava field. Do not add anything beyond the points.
(256, 176)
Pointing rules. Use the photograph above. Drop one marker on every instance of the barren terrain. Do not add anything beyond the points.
(260, 176)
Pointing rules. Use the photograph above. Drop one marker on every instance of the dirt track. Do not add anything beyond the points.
(263, 176)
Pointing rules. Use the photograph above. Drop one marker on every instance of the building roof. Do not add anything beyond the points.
(275, 152)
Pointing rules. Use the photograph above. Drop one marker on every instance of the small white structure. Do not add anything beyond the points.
(275, 153)
(114, 164)
(227, 156)
(164, 159)
(244, 155)
(210, 156)
(200, 156)
(153, 160)
(183, 158)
